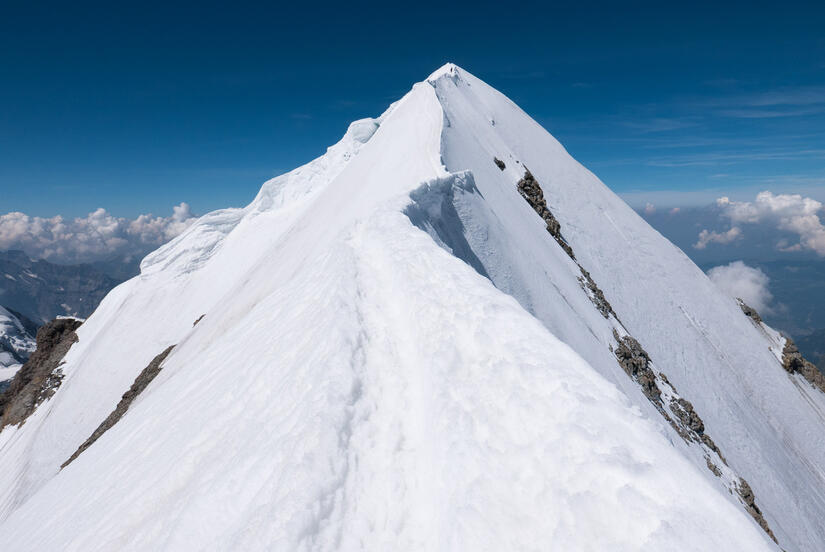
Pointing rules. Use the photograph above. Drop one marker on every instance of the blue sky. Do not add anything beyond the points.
(138, 107)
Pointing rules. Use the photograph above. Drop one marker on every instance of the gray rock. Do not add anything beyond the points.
(636, 364)
(530, 190)
(748, 498)
(41, 290)
(750, 312)
(794, 363)
(683, 409)
(141, 382)
(40, 376)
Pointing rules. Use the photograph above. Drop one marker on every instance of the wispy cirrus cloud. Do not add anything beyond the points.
(744, 113)
(733, 157)
(660, 124)
(781, 102)
(799, 95)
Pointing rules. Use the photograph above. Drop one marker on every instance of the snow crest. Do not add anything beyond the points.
(390, 354)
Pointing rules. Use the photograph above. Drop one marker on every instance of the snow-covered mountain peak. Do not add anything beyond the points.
(444, 333)
(16, 344)
(448, 69)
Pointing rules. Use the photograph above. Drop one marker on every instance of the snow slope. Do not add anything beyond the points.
(770, 428)
(394, 354)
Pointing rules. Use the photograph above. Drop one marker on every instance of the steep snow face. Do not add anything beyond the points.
(16, 344)
(769, 426)
(351, 384)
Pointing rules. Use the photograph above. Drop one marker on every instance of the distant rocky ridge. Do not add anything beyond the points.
(16, 343)
(40, 377)
(40, 290)
(347, 357)
(33, 292)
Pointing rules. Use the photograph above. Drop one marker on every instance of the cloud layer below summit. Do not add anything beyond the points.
(770, 225)
(99, 236)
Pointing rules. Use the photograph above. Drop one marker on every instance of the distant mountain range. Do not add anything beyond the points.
(444, 333)
(16, 343)
(40, 290)
(33, 292)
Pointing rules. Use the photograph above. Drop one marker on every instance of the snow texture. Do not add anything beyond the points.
(395, 354)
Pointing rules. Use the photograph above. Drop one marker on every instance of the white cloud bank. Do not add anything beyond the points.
(95, 237)
(787, 212)
(706, 237)
(744, 282)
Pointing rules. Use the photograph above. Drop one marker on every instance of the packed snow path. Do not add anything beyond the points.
(354, 385)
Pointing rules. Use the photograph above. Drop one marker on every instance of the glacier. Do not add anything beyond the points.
(387, 349)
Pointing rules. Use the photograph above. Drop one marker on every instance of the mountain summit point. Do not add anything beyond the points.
(443, 334)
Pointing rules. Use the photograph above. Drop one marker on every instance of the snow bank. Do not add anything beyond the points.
(353, 383)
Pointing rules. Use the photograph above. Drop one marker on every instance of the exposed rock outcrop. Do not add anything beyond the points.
(792, 360)
(685, 421)
(41, 375)
(794, 363)
(749, 500)
(530, 190)
(683, 409)
(636, 364)
(749, 311)
(596, 295)
(141, 382)
(499, 163)
(713, 467)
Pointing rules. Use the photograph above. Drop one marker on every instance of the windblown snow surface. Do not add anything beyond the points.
(394, 354)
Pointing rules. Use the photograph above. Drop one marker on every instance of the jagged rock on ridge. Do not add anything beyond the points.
(361, 382)
(749, 311)
(141, 382)
(40, 377)
(530, 190)
(746, 493)
(636, 363)
(794, 363)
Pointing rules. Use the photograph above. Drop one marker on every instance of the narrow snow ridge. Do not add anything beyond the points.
(355, 386)
(448, 69)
